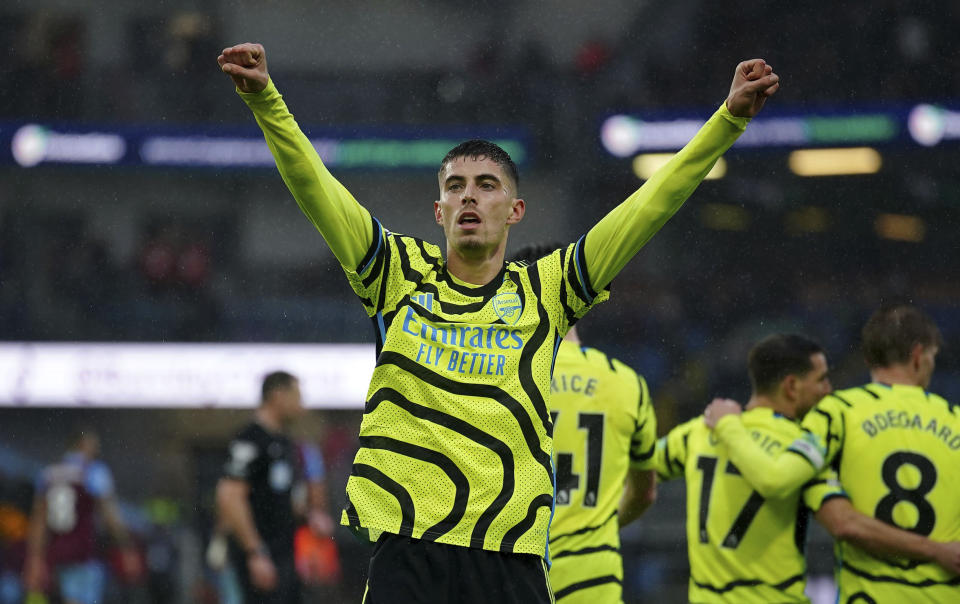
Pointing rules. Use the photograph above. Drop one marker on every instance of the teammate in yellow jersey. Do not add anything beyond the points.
(746, 545)
(604, 433)
(454, 469)
(897, 453)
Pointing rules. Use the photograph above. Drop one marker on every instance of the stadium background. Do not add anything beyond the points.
(100, 243)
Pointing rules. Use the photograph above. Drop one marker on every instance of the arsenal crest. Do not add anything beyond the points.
(508, 307)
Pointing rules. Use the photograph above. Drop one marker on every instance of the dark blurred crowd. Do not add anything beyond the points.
(669, 54)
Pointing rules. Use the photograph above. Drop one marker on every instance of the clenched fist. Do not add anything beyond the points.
(753, 82)
(247, 65)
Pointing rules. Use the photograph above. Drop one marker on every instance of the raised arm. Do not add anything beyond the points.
(345, 224)
(772, 477)
(611, 243)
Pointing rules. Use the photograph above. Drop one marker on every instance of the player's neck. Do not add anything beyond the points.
(894, 374)
(762, 400)
(572, 336)
(476, 270)
(268, 419)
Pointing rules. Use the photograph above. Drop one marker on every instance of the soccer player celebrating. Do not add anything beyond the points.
(604, 432)
(454, 469)
(746, 544)
(895, 448)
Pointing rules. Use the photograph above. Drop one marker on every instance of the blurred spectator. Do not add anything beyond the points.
(62, 554)
(256, 503)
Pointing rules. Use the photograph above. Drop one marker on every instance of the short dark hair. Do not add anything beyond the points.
(278, 380)
(533, 252)
(479, 149)
(777, 356)
(892, 332)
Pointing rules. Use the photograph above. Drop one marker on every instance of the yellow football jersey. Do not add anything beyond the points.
(456, 437)
(603, 424)
(742, 548)
(897, 452)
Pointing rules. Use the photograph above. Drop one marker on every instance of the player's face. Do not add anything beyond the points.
(291, 401)
(477, 205)
(813, 385)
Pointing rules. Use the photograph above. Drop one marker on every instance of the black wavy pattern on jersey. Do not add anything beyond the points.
(438, 266)
(530, 349)
(540, 501)
(416, 277)
(375, 241)
(580, 585)
(582, 262)
(478, 390)
(830, 435)
(643, 455)
(567, 309)
(351, 511)
(438, 459)
(573, 587)
(394, 488)
(469, 431)
(483, 291)
(870, 392)
(586, 529)
(572, 280)
(747, 583)
(898, 580)
(376, 270)
(435, 261)
(585, 551)
(841, 399)
(384, 272)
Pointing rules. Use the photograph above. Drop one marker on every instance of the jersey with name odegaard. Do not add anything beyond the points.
(897, 452)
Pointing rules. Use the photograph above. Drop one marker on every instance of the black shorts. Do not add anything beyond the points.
(405, 570)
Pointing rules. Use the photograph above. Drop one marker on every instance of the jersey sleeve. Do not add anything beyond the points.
(620, 234)
(822, 487)
(670, 454)
(577, 296)
(824, 429)
(643, 443)
(242, 457)
(99, 480)
(346, 226)
(774, 477)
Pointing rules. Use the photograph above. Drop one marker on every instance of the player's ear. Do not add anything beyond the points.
(916, 353)
(789, 386)
(437, 212)
(517, 211)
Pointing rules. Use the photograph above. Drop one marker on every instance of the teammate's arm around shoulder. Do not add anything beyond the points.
(621, 234)
(773, 477)
(845, 523)
(345, 224)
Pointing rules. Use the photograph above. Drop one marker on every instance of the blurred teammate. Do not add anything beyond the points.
(896, 449)
(454, 469)
(255, 496)
(604, 432)
(745, 544)
(62, 542)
